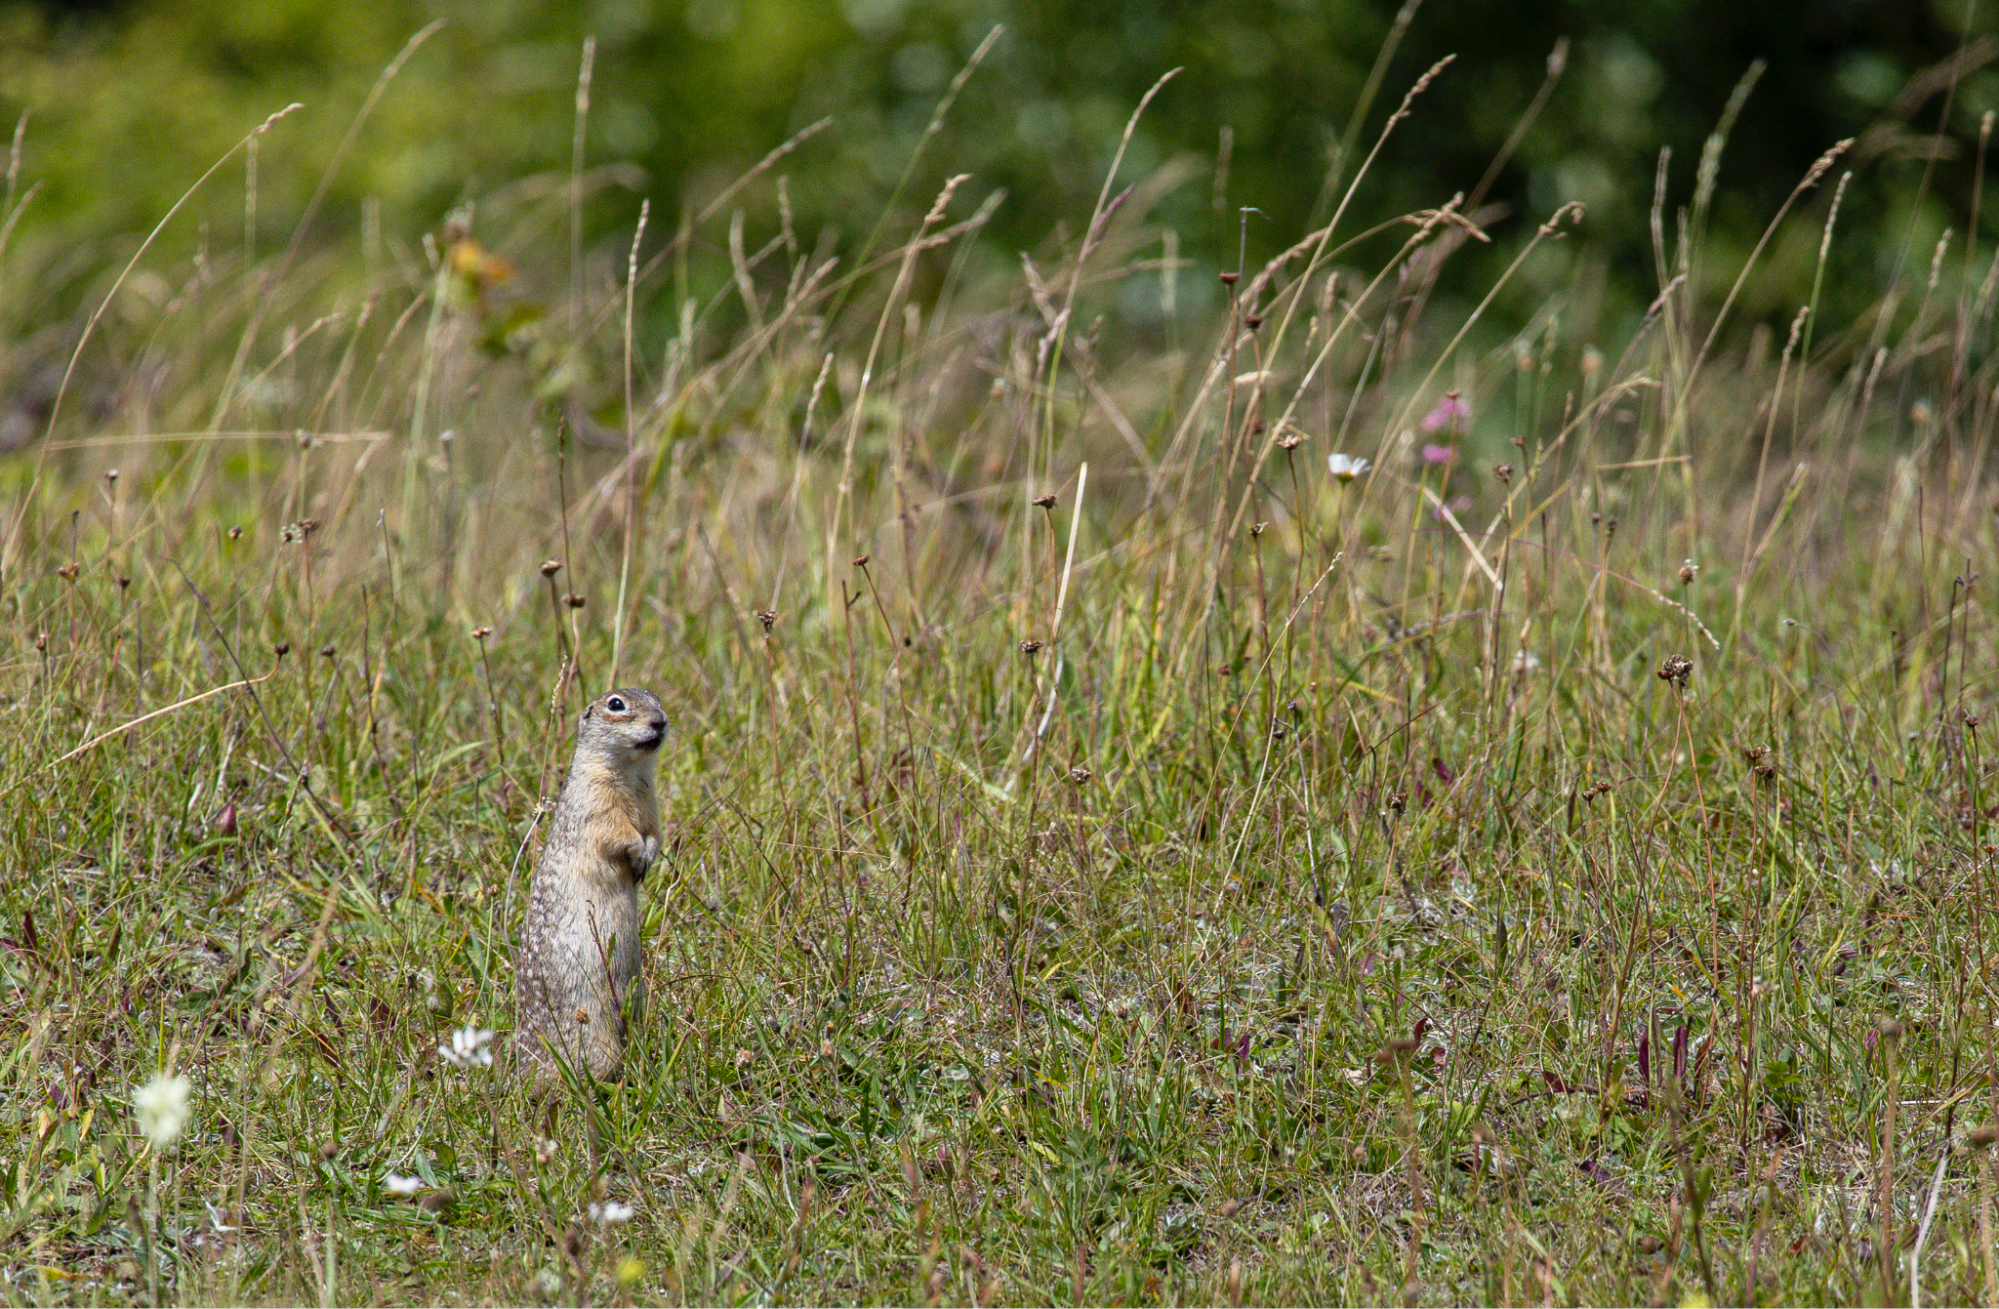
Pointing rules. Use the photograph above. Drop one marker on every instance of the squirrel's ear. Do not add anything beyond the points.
(589, 709)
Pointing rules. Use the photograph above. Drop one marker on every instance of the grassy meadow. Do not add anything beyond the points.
(1113, 858)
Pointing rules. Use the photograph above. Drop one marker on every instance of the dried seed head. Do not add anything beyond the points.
(861, 561)
(1688, 571)
(768, 617)
(1504, 472)
(1764, 772)
(1398, 803)
(282, 648)
(1079, 774)
(1031, 647)
(1754, 753)
(41, 640)
(1044, 502)
(69, 571)
(1230, 279)
(1676, 669)
(1256, 529)
(550, 567)
(1253, 321)
(481, 632)
(573, 600)
(326, 651)
(111, 476)
(1289, 441)
(123, 581)
(235, 533)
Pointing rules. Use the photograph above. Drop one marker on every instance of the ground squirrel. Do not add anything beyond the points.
(579, 959)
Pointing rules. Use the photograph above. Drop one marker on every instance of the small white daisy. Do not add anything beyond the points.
(1346, 467)
(161, 1107)
(609, 1212)
(470, 1048)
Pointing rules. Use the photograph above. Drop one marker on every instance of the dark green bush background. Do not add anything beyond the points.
(128, 102)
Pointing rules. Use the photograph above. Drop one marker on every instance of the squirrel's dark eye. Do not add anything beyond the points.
(616, 704)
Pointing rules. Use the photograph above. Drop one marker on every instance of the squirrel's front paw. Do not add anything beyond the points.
(641, 855)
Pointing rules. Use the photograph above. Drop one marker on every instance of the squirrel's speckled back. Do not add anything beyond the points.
(578, 973)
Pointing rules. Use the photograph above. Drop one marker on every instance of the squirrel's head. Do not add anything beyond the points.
(627, 725)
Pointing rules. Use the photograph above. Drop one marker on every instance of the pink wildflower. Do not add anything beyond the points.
(1450, 412)
(1438, 454)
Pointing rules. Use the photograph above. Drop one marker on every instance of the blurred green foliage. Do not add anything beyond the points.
(127, 103)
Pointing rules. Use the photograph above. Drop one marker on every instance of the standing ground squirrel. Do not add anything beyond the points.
(579, 959)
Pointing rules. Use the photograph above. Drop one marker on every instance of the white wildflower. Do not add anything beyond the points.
(609, 1212)
(1526, 661)
(161, 1107)
(470, 1048)
(1346, 467)
(397, 1184)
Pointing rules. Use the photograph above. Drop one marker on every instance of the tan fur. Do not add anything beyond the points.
(578, 974)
